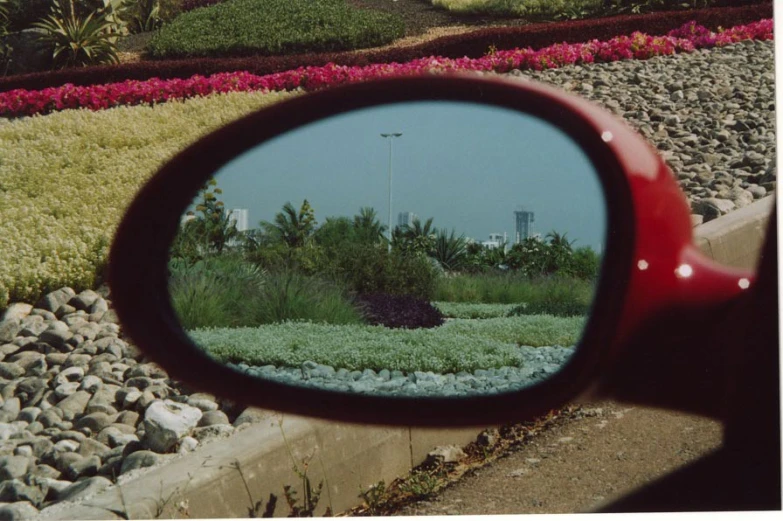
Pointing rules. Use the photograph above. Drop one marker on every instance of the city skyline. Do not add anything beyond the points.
(469, 167)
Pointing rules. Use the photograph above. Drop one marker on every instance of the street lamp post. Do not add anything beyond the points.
(390, 135)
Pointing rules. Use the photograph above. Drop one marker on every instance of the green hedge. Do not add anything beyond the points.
(274, 27)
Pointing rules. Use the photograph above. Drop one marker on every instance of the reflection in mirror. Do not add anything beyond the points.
(417, 249)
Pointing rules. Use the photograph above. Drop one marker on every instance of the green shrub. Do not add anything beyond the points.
(291, 296)
(215, 291)
(227, 291)
(373, 269)
(274, 27)
(79, 41)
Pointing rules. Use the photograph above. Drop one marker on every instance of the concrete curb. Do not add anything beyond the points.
(225, 479)
(736, 239)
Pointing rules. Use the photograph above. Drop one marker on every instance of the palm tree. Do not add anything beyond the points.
(449, 250)
(367, 226)
(416, 238)
(294, 228)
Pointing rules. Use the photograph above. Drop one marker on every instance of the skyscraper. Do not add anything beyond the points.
(239, 216)
(523, 221)
(406, 218)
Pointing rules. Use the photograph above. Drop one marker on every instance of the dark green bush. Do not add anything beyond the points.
(373, 269)
(399, 311)
(274, 27)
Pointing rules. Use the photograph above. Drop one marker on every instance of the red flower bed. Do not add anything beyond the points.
(690, 36)
(473, 45)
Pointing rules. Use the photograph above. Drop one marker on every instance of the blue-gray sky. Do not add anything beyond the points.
(467, 166)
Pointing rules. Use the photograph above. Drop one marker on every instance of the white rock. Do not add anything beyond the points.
(166, 422)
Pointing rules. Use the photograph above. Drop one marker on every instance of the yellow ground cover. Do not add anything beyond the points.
(66, 178)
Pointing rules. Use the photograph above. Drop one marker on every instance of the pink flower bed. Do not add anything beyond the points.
(638, 45)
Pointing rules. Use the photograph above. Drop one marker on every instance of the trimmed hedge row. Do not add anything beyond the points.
(474, 44)
(274, 27)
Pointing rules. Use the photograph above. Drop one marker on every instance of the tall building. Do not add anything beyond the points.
(406, 218)
(523, 221)
(239, 216)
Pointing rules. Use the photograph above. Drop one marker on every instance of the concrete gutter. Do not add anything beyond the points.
(226, 478)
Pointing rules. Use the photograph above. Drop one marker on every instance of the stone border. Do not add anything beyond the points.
(347, 457)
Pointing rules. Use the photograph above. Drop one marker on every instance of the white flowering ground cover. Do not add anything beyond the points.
(458, 345)
(473, 310)
(66, 179)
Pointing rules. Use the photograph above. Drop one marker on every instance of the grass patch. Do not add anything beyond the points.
(453, 347)
(470, 310)
(227, 291)
(510, 288)
(274, 27)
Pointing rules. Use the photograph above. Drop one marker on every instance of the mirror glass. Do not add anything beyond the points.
(417, 249)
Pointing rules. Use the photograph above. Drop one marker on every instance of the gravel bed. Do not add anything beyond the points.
(79, 404)
(710, 113)
(539, 363)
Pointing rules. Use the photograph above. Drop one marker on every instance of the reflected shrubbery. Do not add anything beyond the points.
(345, 271)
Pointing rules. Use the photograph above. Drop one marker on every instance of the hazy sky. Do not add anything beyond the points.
(467, 165)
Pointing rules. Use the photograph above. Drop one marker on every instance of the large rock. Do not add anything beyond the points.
(28, 52)
(166, 421)
(53, 301)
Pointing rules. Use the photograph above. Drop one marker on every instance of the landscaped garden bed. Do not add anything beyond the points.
(473, 44)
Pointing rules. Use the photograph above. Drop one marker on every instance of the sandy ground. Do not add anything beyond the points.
(580, 464)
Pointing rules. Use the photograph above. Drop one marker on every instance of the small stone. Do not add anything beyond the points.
(74, 405)
(213, 417)
(95, 422)
(211, 432)
(90, 447)
(166, 421)
(84, 300)
(11, 371)
(15, 490)
(18, 310)
(84, 488)
(446, 454)
(140, 459)
(9, 328)
(12, 467)
(82, 467)
(187, 444)
(18, 511)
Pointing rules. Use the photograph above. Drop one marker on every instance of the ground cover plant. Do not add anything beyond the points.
(57, 228)
(453, 347)
(273, 27)
(21, 102)
(472, 310)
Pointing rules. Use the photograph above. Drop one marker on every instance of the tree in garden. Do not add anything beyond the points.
(368, 229)
(292, 227)
(417, 238)
(449, 250)
(559, 253)
(209, 229)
